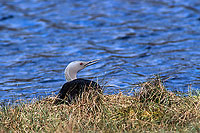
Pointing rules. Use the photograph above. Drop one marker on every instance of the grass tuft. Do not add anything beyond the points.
(152, 109)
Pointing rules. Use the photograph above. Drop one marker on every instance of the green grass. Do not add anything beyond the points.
(153, 109)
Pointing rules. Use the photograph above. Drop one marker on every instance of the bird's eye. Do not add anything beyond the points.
(81, 63)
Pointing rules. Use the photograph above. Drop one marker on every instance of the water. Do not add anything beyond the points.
(134, 40)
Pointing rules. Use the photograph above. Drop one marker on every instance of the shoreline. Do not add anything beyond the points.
(153, 109)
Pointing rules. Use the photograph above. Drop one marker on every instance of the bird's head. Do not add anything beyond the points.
(74, 67)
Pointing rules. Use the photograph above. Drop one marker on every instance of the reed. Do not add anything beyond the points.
(152, 109)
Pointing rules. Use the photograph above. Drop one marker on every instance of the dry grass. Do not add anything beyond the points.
(153, 109)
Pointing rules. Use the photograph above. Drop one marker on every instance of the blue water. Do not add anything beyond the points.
(133, 39)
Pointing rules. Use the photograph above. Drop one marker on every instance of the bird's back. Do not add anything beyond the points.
(75, 88)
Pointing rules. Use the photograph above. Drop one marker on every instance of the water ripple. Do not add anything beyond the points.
(133, 39)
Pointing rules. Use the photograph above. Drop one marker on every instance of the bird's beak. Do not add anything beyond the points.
(91, 62)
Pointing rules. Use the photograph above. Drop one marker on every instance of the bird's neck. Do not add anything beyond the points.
(70, 75)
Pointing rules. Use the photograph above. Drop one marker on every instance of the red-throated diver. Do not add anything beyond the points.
(76, 86)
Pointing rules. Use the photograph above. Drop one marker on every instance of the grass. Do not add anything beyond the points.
(153, 109)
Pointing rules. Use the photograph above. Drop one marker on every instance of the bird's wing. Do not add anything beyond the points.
(77, 86)
(67, 88)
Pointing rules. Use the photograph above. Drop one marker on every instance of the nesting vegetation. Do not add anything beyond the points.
(153, 109)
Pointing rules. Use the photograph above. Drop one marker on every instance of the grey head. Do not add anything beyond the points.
(74, 67)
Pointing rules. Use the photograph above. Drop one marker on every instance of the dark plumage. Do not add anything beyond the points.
(73, 89)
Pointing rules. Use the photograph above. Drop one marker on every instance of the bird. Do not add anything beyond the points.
(75, 87)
